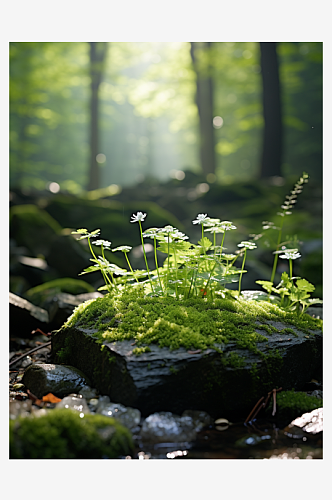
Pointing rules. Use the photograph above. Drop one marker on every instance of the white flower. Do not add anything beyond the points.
(105, 243)
(291, 254)
(226, 225)
(123, 248)
(151, 232)
(138, 217)
(214, 229)
(200, 219)
(247, 244)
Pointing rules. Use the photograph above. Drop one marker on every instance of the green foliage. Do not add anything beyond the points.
(63, 434)
(188, 270)
(293, 292)
(201, 270)
(44, 77)
(147, 105)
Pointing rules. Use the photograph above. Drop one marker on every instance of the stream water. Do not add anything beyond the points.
(262, 439)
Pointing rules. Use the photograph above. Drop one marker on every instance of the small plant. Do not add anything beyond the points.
(293, 292)
(202, 269)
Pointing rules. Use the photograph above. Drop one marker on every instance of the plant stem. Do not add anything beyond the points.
(130, 266)
(156, 261)
(146, 262)
(276, 255)
(222, 244)
(290, 268)
(243, 261)
(104, 275)
(176, 271)
(208, 281)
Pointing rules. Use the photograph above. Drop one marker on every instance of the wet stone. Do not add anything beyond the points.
(129, 417)
(310, 422)
(60, 380)
(88, 392)
(175, 380)
(75, 402)
(166, 427)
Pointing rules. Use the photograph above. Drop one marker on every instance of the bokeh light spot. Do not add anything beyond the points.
(100, 158)
(218, 122)
(54, 187)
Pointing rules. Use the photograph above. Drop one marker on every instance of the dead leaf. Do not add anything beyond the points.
(50, 398)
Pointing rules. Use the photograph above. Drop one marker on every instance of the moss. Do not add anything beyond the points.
(140, 350)
(192, 323)
(67, 285)
(233, 359)
(291, 404)
(62, 433)
(33, 228)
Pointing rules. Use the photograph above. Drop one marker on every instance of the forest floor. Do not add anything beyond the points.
(210, 444)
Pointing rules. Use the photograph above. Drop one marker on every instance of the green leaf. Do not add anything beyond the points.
(205, 242)
(90, 269)
(315, 301)
(304, 285)
(267, 285)
(226, 279)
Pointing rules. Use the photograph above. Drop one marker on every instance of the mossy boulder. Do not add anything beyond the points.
(64, 433)
(159, 354)
(112, 217)
(46, 291)
(292, 404)
(33, 228)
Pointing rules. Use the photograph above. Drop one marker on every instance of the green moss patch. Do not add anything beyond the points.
(291, 404)
(194, 323)
(62, 433)
(68, 285)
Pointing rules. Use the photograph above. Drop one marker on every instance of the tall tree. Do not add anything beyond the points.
(204, 102)
(97, 63)
(272, 138)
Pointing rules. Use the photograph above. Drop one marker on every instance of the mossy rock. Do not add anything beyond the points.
(39, 294)
(63, 433)
(33, 228)
(160, 354)
(112, 217)
(292, 404)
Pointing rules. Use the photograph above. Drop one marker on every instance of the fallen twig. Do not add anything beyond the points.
(29, 352)
(262, 404)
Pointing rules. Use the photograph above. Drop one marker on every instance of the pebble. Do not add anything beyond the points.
(166, 427)
(75, 402)
(130, 417)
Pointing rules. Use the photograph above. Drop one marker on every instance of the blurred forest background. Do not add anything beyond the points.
(101, 130)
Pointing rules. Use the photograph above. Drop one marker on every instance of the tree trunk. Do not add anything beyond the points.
(272, 138)
(204, 101)
(97, 59)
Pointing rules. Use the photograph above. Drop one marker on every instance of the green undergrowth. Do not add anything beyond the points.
(63, 434)
(192, 323)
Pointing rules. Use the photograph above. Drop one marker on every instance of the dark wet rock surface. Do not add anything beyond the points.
(59, 380)
(177, 380)
(24, 316)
